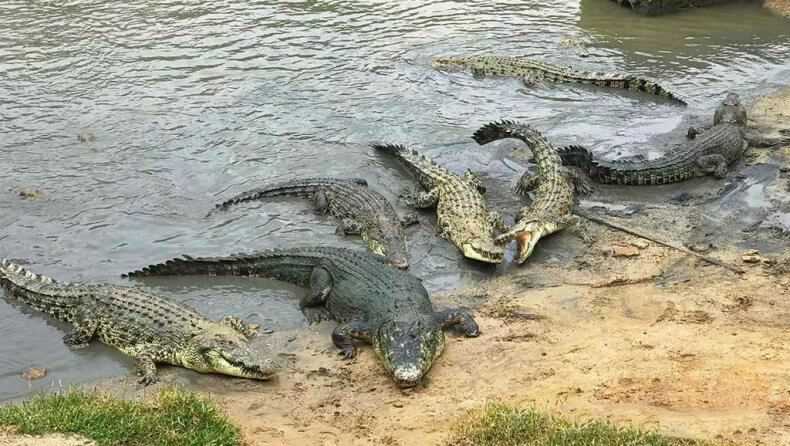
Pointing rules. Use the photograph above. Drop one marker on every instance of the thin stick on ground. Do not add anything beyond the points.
(675, 246)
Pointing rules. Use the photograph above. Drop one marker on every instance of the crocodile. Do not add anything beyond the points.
(144, 326)
(660, 7)
(361, 211)
(372, 302)
(711, 153)
(461, 210)
(534, 72)
(554, 185)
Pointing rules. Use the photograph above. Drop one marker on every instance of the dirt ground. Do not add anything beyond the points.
(780, 6)
(658, 339)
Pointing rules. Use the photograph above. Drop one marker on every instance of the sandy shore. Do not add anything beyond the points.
(660, 340)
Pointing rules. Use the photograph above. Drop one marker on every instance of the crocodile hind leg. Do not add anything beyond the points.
(321, 202)
(526, 184)
(453, 317)
(245, 328)
(349, 226)
(474, 179)
(409, 219)
(312, 304)
(344, 336)
(83, 332)
(533, 79)
(146, 368)
(420, 199)
(714, 164)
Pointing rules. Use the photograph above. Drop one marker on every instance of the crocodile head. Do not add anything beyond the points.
(529, 234)
(408, 348)
(388, 242)
(483, 251)
(731, 111)
(226, 353)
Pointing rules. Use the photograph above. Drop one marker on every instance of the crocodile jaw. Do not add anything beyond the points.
(528, 238)
(483, 252)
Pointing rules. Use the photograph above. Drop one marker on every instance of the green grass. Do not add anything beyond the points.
(173, 418)
(500, 425)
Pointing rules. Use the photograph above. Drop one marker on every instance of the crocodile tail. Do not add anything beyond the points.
(577, 156)
(649, 87)
(304, 187)
(40, 292)
(289, 265)
(494, 131)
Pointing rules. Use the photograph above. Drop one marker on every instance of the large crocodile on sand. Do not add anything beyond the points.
(462, 214)
(553, 184)
(361, 211)
(711, 153)
(372, 301)
(144, 326)
(533, 72)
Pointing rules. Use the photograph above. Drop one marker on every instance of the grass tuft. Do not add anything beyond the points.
(501, 425)
(174, 418)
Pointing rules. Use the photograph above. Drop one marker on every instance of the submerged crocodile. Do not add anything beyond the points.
(554, 186)
(535, 72)
(144, 326)
(372, 301)
(708, 154)
(361, 211)
(462, 214)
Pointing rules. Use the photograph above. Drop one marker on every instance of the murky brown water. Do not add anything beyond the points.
(190, 103)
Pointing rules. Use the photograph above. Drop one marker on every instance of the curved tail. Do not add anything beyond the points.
(494, 131)
(303, 187)
(650, 87)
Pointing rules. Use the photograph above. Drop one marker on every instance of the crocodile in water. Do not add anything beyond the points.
(144, 326)
(532, 72)
(373, 302)
(361, 211)
(553, 184)
(711, 153)
(461, 210)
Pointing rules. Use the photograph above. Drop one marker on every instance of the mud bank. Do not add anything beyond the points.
(779, 6)
(657, 339)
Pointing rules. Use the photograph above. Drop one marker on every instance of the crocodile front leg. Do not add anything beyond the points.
(83, 332)
(449, 318)
(312, 304)
(496, 221)
(713, 164)
(245, 328)
(349, 226)
(344, 336)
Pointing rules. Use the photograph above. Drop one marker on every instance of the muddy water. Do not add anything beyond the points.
(133, 118)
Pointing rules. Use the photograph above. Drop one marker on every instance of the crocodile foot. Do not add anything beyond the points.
(348, 352)
(315, 315)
